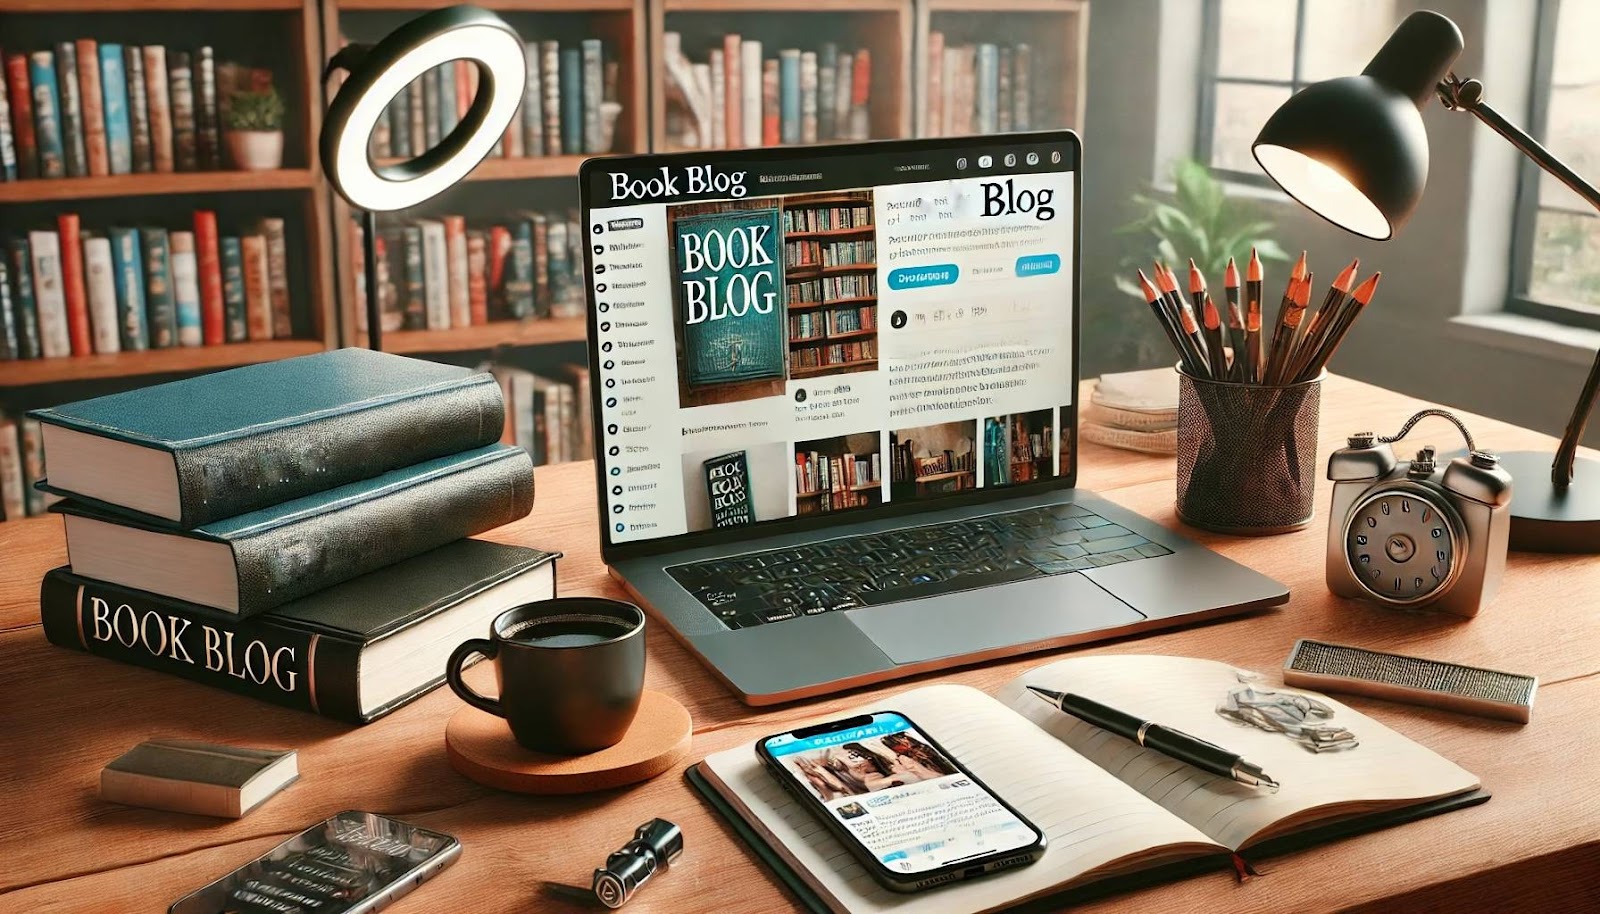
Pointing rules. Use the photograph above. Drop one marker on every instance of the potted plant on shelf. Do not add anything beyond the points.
(255, 129)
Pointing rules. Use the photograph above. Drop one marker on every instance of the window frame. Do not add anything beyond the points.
(1210, 59)
(1525, 225)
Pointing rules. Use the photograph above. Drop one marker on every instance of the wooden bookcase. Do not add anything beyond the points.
(1057, 31)
(883, 27)
(828, 310)
(531, 182)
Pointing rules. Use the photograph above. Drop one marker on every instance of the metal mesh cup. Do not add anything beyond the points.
(1247, 455)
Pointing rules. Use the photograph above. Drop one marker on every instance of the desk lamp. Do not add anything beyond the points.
(1353, 150)
(379, 72)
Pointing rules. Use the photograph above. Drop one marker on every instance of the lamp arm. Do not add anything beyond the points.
(1467, 95)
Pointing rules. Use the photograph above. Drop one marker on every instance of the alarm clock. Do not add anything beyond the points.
(1413, 534)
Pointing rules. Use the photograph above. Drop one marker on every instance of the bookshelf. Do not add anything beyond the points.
(34, 372)
(620, 24)
(830, 275)
(1056, 31)
(838, 474)
(882, 27)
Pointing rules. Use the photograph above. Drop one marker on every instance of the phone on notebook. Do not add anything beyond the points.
(909, 811)
(350, 863)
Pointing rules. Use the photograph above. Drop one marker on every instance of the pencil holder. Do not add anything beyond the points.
(1247, 455)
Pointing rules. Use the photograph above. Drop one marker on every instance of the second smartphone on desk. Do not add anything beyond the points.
(912, 814)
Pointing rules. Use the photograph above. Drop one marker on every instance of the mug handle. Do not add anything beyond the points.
(452, 672)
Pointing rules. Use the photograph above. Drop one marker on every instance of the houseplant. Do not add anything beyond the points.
(255, 129)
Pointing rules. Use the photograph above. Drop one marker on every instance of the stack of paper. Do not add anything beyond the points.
(1134, 410)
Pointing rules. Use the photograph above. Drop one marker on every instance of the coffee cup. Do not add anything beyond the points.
(571, 672)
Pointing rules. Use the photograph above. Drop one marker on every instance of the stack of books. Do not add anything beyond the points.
(977, 88)
(549, 419)
(570, 105)
(87, 108)
(739, 98)
(73, 292)
(434, 274)
(295, 531)
(1135, 411)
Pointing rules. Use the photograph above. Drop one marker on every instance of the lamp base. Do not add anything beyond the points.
(1547, 519)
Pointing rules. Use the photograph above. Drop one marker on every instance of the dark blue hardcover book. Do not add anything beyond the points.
(572, 100)
(312, 654)
(29, 346)
(161, 303)
(127, 263)
(448, 115)
(201, 449)
(47, 114)
(519, 271)
(72, 137)
(729, 308)
(788, 96)
(114, 107)
(235, 309)
(267, 557)
(8, 317)
(414, 310)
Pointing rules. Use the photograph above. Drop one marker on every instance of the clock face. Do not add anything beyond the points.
(1400, 547)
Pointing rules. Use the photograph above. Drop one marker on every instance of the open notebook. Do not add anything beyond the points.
(1109, 808)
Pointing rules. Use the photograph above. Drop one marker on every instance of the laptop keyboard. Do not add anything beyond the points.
(775, 585)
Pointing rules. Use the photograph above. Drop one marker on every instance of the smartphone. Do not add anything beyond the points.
(352, 863)
(908, 810)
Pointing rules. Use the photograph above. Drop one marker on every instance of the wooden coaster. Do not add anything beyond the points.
(482, 748)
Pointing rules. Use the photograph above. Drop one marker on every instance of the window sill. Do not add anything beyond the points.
(1528, 335)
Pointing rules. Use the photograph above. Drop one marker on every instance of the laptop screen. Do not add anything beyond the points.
(801, 336)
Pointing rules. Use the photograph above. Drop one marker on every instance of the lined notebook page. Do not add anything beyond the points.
(1089, 818)
(1386, 770)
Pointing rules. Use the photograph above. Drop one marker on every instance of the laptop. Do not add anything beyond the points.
(835, 400)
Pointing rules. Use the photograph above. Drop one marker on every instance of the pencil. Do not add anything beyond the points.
(1183, 317)
(1295, 275)
(1214, 347)
(1283, 335)
(1230, 289)
(1336, 334)
(1254, 357)
(1318, 325)
(1152, 297)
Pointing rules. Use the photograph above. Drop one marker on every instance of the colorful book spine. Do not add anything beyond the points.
(69, 230)
(448, 115)
(138, 109)
(572, 100)
(499, 256)
(55, 339)
(10, 347)
(186, 288)
(156, 95)
(808, 97)
(414, 304)
(593, 60)
(400, 126)
(127, 264)
(455, 234)
(47, 126)
(530, 116)
(72, 135)
(208, 272)
(417, 109)
(771, 129)
(519, 271)
(750, 92)
(717, 70)
(541, 264)
(114, 107)
(13, 490)
(827, 91)
(92, 101)
(235, 307)
(559, 268)
(257, 286)
(478, 277)
(789, 96)
(161, 300)
(20, 93)
(860, 94)
(22, 302)
(8, 143)
(988, 88)
(278, 262)
(100, 285)
(208, 116)
(436, 273)
(844, 85)
(180, 82)
(550, 80)
(432, 117)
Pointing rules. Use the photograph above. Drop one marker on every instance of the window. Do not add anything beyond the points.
(1256, 53)
(1558, 234)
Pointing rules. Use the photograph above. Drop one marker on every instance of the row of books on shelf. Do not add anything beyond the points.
(834, 354)
(570, 105)
(739, 97)
(826, 218)
(88, 108)
(908, 467)
(978, 88)
(22, 465)
(72, 292)
(839, 480)
(808, 252)
(815, 325)
(434, 274)
(549, 419)
(833, 288)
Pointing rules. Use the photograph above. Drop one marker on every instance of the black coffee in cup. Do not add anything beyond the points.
(567, 630)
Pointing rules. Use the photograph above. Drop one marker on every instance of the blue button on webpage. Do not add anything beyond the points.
(1038, 264)
(940, 274)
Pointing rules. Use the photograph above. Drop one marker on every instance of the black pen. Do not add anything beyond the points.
(1176, 744)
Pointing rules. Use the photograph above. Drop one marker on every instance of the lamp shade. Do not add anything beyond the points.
(1353, 149)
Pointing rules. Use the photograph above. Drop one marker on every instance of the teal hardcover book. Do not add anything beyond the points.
(192, 452)
(728, 285)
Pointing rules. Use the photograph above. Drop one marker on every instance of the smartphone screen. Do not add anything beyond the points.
(350, 863)
(892, 789)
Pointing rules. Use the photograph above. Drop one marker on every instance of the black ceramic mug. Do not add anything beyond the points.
(571, 671)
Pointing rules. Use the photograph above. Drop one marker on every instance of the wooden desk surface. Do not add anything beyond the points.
(1535, 846)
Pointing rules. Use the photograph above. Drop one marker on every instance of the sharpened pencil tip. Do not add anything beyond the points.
(1197, 281)
(1209, 312)
(1363, 292)
(1148, 288)
(1230, 275)
(1299, 270)
(1346, 276)
(1254, 267)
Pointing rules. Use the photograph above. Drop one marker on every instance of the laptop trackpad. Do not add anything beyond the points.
(973, 621)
